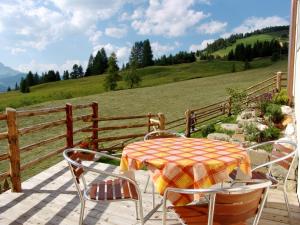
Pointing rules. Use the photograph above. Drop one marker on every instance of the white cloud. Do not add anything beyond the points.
(122, 52)
(256, 23)
(212, 27)
(137, 14)
(116, 32)
(207, 2)
(36, 24)
(16, 51)
(201, 46)
(160, 49)
(168, 17)
(34, 66)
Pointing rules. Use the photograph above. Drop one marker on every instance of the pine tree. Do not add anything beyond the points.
(104, 60)
(8, 89)
(75, 72)
(36, 79)
(147, 59)
(89, 68)
(113, 75)
(136, 54)
(57, 76)
(24, 87)
(17, 86)
(97, 64)
(80, 71)
(66, 75)
(30, 78)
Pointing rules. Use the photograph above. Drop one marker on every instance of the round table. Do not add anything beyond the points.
(185, 162)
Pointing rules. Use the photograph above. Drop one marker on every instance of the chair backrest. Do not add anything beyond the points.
(162, 134)
(236, 205)
(282, 153)
(74, 158)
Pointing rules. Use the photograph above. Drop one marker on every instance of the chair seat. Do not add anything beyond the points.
(197, 215)
(256, 175)
(112, 190)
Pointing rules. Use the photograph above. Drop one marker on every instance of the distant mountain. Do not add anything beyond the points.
(8, 77)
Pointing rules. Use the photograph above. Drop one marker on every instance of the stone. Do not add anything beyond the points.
(286, 110)
(261, 126)
(239, 130)
(248, 115)
(218, 136)
(229, 126)
(289, 130)
(238, 138)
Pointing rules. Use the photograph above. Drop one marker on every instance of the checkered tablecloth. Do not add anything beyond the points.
(185, 163)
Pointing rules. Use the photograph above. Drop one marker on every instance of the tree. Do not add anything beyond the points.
(113, 75)
(57, 76)
(233, 70)
(131, 77)
(17, 86)
(8, 89)
(100, 62)
(30, 78)
(66, 75)
(76, 72)
(89, 68)
(36, 79)
(136, 54)
(24, 87)
(247, 65)
(147, 59)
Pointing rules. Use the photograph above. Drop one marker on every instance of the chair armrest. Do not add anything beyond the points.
(108, 156)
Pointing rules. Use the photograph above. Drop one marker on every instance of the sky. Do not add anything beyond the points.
(41, 35)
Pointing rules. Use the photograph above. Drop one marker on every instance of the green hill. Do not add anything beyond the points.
(151, 76)
(250, 40)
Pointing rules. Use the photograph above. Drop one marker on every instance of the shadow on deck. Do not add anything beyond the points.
(50, 198)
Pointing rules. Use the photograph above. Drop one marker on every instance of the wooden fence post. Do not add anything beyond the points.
(278, 81)
(95, 124)
(14, 150)
(69, 122)
(149, 122)
(162, 121)
(188, 123)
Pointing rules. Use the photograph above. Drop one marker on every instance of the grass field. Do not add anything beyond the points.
(151, 76)
(172, 99)
(250, 40)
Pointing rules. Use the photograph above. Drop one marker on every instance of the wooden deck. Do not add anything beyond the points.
(50, 198)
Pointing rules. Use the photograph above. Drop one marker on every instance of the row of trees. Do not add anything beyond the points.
(181, 57)
(259, 49)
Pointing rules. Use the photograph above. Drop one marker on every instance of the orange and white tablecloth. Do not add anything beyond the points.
(185, 163)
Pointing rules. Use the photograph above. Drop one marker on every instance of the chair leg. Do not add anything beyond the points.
(140, 206)
(287, 204)
(136, 210)
(153, 195)
(81, 212)
(145, 189)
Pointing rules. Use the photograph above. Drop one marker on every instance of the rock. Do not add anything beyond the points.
(261, 126)
(238, 138)
(239, 130)
(289, 130)
(218, 136)
(229, 126)
(286, 110)
(258, 157)
(244, 122)
(247, 115)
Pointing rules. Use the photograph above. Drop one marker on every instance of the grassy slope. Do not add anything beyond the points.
(250, 40)
(151, 76)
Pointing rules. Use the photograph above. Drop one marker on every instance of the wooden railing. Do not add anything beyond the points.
(196, 117)
(108, 133)
(70, 124)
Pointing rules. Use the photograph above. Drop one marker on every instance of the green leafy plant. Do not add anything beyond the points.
(274, 112)
(281, 97)
(269, 134)
(219, 129)
(238, 97)
(207, 129)
(252, 133)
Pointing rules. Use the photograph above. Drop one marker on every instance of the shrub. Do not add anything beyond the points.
(207, 129)
(281, 97)
(252, 133)
(274, 112)
(237, 96)
(269, 134)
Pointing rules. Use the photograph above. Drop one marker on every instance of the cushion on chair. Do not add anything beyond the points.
(112, 190)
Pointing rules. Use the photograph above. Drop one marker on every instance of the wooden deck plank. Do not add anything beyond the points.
(50, 198)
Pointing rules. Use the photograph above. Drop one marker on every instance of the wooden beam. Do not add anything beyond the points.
(292, 50)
